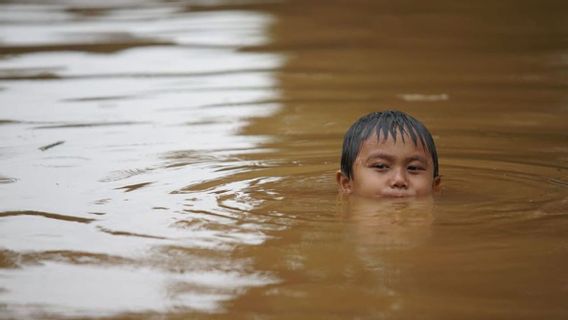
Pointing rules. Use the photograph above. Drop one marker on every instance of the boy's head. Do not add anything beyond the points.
(388, 154)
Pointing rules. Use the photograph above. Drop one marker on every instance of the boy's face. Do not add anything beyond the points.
(388, 169)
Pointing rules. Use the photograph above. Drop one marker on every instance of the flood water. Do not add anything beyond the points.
(176, 159)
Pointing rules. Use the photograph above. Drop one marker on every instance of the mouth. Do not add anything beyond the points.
(396, 194)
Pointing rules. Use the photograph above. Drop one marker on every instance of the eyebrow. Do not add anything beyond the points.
(417, 158)
(388, 157)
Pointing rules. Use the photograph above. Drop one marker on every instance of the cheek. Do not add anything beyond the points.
(424, 185)
(370, 180)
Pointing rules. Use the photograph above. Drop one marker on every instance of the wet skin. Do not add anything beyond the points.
(388, 169)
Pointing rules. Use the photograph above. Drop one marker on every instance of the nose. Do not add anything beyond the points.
(399, 180)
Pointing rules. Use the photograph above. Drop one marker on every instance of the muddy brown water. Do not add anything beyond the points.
(176, 159)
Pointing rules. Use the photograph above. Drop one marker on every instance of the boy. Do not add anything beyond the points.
(388, 155)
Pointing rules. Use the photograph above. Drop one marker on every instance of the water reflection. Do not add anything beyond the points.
(114, 109)
(386, 224)
(382, 233)
(77, 290)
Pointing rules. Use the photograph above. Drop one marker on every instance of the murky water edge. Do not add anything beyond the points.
(175, 159)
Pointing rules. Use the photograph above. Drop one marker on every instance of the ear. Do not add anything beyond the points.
(436, 184)
(343, 183)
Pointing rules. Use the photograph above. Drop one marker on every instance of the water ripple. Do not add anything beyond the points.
(48, 215)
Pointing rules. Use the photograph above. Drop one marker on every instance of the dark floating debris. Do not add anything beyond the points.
(49, 146)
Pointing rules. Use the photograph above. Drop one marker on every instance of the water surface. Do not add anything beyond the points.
(176, 159)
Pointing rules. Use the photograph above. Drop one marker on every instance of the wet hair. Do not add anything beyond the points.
(384, 124)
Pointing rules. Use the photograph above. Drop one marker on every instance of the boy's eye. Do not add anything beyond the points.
(415, 168)
(380, 166)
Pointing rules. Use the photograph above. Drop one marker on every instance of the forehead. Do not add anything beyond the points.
(398, 148)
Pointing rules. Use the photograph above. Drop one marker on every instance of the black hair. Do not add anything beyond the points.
(384, 124)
